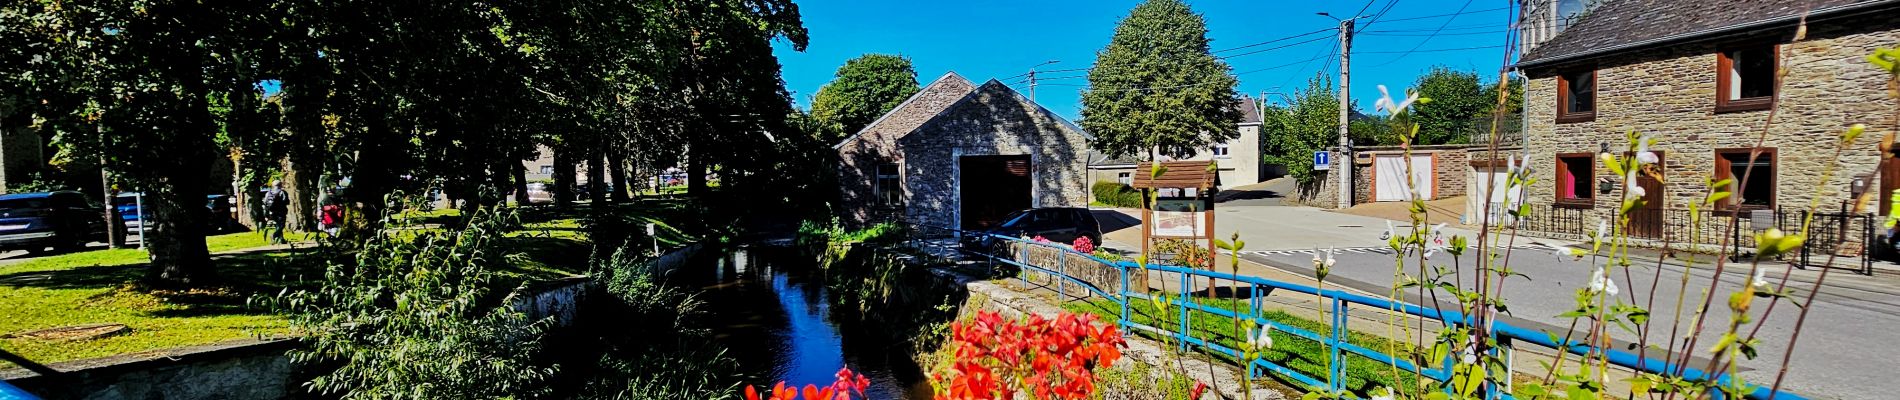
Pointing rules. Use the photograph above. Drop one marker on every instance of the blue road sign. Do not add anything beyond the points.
(1322, 160)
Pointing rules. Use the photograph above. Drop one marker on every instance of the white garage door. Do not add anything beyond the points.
(1389, 177)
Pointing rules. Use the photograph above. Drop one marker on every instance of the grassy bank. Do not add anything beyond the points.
(1297, 353)
(100, 287)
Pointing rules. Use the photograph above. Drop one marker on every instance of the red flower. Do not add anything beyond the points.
(1049, 358)
(1082, 244)
(848, 382)
(1199, 387)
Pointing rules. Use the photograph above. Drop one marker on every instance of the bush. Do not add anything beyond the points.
(1116, 194)
(416, 318)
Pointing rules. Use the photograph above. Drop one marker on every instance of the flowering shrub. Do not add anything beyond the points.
(1082, 244)
(1052, 359)
(1040, 239)
(848, 382)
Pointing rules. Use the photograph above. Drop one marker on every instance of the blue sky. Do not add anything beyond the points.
(985, 39)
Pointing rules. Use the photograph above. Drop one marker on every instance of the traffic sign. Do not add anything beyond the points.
(1322, 160)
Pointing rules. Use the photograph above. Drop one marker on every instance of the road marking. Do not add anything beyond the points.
(1369, 250)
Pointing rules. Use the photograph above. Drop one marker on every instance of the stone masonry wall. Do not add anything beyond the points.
(876, 144)
(994, 120)
(1670, 94)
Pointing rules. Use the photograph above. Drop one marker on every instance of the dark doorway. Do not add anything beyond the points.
(1647, 221)
(991, 187)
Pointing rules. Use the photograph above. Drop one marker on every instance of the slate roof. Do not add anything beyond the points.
(1622, 25)
(936, 98)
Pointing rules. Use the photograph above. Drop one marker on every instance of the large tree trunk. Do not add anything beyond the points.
(617, 167)
(241, 196)
(696, 171)
(521, 183)
(115, 222)
(175, 234)
(596, 179)
(563, 176)
(301, 184)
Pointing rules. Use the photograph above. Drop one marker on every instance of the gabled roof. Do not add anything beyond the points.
(1249, 111)
(912, 113)
(939, 96)
(1624, 25)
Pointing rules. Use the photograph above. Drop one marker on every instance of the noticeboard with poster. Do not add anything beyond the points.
(1179, 218)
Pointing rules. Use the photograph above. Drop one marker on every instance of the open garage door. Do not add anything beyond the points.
(991, 187)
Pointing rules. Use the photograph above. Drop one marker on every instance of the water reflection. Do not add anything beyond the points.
(770, 309)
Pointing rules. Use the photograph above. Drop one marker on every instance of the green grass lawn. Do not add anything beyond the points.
(1297, 353)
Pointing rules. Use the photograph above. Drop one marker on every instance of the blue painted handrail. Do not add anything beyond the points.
(1505, 333)
(10, 392)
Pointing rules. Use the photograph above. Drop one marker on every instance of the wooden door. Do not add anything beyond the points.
(1889, 180)
(1647, 221)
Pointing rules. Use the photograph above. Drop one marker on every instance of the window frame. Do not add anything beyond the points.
(1221, 150)
(1564, 115)
(1722, 171)
(1561, 168)
(877, 184)
(1722, 66)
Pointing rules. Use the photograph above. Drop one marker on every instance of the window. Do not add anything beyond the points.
(889, 186)
(1126, 178)
(547, 170)
(1220, 150)
(1577, 96)
(1759, 190)
(1745, 79)
(1575, 179)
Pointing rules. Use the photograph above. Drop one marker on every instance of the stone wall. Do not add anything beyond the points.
(877, 144)
(993, 120)
(1670, 93)
(246, 369)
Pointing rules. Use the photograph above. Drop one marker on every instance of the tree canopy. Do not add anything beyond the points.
(1460, 105)
(1156, 87)
(866, 87)
(1292, 133)
(449, 95)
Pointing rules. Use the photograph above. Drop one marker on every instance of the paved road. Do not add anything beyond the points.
(1847, 351)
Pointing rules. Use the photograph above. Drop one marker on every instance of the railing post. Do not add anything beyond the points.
(1338, 371)
(1507, 353)
(1253, 315)
(1124, 300)
(1062, 282)
(1184, 312)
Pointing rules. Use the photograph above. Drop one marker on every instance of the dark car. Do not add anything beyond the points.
(63, 219)
(1060, 225)
(223, 216)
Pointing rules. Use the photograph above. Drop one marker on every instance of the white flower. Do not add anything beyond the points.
(1437, 241)
(1647, 157)
(1635, 190)
(1316, 259)
(1603, 228)
(1760, 281)
(1564, 252)
(1527, 164)
(1389, 231)
(1385, 394)
(1600, 282)
(1329, 257)
(1386, 105)
(1261, 341)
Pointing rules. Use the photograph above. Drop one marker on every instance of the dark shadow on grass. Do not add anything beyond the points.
(237, 278)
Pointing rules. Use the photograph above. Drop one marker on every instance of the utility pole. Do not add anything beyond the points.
(1342, 168)
(1032, 78)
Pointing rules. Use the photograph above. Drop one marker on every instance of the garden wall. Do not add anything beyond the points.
(245, 369)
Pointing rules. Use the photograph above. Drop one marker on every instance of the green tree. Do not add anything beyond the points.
(1458, 102)
(1156, 87)
(1292, 133)
(866, 87)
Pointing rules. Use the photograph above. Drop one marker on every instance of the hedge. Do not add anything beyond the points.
(1116, 194)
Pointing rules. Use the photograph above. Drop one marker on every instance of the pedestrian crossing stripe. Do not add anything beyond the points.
(1368, 250)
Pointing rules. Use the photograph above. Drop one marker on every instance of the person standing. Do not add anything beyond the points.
(276, 210)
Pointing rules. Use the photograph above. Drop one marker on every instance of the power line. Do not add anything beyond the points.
(1380, 14)
(1421, 43)
(1274, 40)
(1274, 48)
(1277, 40)
(1236, 75)
(1428, 51)
(1445, 15)
(1441, 34)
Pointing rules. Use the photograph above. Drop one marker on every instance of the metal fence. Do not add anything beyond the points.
(1020, 254)
(1843, 234)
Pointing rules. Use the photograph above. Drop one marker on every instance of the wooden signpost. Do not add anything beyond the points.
(1178, 204)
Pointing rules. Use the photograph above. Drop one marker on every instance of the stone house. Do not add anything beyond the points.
(1699, 76)
(1237, 160)
(962, 155)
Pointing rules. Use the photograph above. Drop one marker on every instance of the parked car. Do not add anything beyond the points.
(221, 219)
(62, 219)
(538, 193)
(1060, 225)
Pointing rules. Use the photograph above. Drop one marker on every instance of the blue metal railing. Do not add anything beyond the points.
(1506, 335)
(10, 392)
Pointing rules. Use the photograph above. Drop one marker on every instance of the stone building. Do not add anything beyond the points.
(1238, 160)
(1699, 76)
(958, 154)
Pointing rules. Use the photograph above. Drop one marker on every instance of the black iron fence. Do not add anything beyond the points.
(1842, 234)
